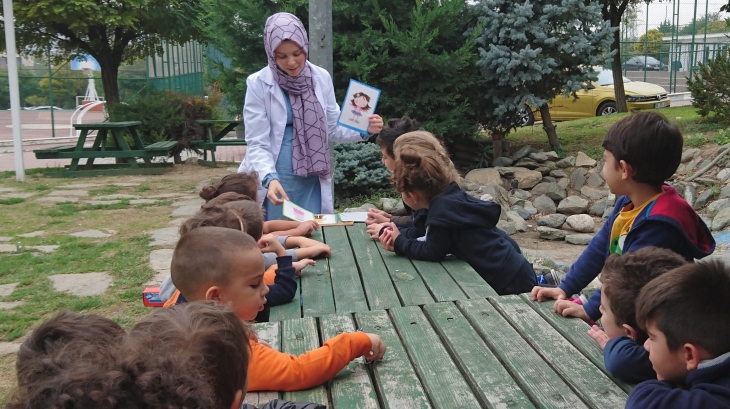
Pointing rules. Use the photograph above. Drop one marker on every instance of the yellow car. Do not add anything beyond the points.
(599, 100)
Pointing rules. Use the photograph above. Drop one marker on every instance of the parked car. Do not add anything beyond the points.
(644, 63)
(599, 100)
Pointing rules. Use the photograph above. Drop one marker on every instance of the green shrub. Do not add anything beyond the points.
(710, 88)
(157, 110)
(722, 136)
(358, 170)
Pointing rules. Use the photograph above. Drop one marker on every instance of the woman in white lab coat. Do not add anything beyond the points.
(290, 114)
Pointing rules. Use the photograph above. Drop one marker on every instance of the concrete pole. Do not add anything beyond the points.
(320, 48)
(14, 90)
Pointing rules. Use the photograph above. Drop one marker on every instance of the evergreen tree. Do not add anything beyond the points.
(535, 50)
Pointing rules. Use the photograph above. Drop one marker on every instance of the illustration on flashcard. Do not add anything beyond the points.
(360, 104)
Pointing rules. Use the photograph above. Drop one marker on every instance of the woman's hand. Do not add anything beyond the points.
(376, 124)
(276, 193)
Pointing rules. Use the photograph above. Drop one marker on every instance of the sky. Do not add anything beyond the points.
(659, 11)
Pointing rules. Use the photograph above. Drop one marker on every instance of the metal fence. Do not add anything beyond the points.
(50, 94)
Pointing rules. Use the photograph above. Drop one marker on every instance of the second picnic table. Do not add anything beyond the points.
(210, 141)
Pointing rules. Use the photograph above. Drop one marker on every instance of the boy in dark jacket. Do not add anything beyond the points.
(621, 339)
(686, 313)
(642, 151)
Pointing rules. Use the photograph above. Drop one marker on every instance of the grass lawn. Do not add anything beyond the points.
(587, 134)
(124, 255)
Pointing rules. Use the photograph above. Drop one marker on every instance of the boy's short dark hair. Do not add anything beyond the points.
(623, 277)
(197, 348)
(690, 304)
(394, 128)
(202, 256)
(649, 143)
(242, 183)
(242, 214)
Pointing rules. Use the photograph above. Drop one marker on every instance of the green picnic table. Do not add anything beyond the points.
(211, 142)
(100, 149)
(496, 352)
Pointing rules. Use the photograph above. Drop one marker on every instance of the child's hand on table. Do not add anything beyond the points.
(270, 244)
(377, 216)
(539, 293)
(299, 265)
(570, 309)
(387, 239)
(305, 229)
(374, 230)
(377, 350)
(599, 336)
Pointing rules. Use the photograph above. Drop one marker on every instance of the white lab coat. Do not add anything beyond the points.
(264, 119)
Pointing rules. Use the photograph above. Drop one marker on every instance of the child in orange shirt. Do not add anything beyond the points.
(225, 265)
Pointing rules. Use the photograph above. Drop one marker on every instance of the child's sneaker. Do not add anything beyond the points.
(550, 278)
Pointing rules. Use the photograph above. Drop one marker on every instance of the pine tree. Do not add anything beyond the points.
(532, 51)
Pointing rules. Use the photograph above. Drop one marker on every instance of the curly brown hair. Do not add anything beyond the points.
(422, 163)
(242, 183)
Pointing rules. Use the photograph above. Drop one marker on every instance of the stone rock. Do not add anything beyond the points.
(595, 180)
(530, 209)
(593, 194)
(693, 164)
(188, 202)
(555, 192)
(705, 163)
(544, 170)
(485, 176)
(721, 220)
(487, 198)
(364, 208)
(718, 205)
(7, 305)
(513, 201)
(96, 234)
(723, 175)
(388, 204)
(499, 194)
(527, 163)
(551, 155)
(502, 161)
(572, 205)
(128, 184)
(518, 221)
(524, 214)
(578, 239)
(598, 208)
(581, 223)
(505, 172)
(610, 199)
(7, 189)
(689, 154)
(4, 239)
(102, 202)
(44, 249)
(544, 204)
(549, 179)
(690, 193)
(705, 181)
(507, 227)
(116, 197)
(527, 179)
(163, 237)
(540, 189)
(56, 199)
(725, 192)
(558, 173)
(563, 182)
(80, 186)
(82, 285)
(7, 289)
(469, 185)
(706, 219)
(7, 348)
(160, 262)
(8, 248)
(554, 221)
(186, 210)
(607, 212)
(74, 193)
(16, 195)
(548, 233)
(538, 156)
(165, 195)
(142, 201)
(584, 161)
(521, 194)
(578, 178)
(680, 168)
(703, 199)
(33, 234)
(522, 152)
(567, 162)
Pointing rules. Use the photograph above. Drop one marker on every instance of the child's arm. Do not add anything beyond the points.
(627, 360)
(657, 394)
(271, 370)
(435, 248)
(290, 228)
(308, 247)
(285, 286)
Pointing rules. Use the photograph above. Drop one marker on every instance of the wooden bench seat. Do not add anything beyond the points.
(51, 153)
(161, 146)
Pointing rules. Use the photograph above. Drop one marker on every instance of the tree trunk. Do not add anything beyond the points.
(547, 125)
(109, 81)
(618, 79)
(496, 146)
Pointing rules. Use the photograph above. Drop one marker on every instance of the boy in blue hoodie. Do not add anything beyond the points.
(642, 150)
(621, 339)
(686, 313)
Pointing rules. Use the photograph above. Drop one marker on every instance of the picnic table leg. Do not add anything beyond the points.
(122, 143)
(139, 145)
(100, 139)
(79, 147)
